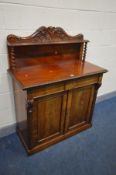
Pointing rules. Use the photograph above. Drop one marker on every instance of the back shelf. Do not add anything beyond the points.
(31, 55)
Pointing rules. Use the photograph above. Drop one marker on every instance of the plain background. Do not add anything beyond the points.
(96, 19)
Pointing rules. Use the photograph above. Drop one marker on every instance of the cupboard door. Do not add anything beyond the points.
(47, 120)
(79, 107)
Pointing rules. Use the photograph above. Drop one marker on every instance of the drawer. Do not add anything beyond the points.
(46, 90)
(81, 82)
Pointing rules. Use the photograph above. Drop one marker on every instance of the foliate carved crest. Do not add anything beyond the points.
(45, 35)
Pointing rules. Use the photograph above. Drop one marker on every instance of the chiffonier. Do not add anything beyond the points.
(54, 87)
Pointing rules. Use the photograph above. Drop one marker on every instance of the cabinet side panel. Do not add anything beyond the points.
(20, 97)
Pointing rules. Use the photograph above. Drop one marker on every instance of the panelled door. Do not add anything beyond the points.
(56, 114)
(48, 115)
(79, 107)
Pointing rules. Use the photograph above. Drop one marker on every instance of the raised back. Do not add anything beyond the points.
(44, 42)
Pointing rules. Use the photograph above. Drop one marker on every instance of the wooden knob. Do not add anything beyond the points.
(56, 52)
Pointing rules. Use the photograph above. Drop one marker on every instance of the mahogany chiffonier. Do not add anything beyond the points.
(54, 87)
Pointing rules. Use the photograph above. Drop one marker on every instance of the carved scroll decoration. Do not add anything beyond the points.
(45, 35)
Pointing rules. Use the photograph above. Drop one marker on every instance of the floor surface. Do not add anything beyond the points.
(91, 152)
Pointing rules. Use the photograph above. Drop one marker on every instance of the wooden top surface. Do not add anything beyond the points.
(50, 70)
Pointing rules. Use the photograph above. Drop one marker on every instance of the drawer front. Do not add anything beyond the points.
(45, 90)
(81, 82)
